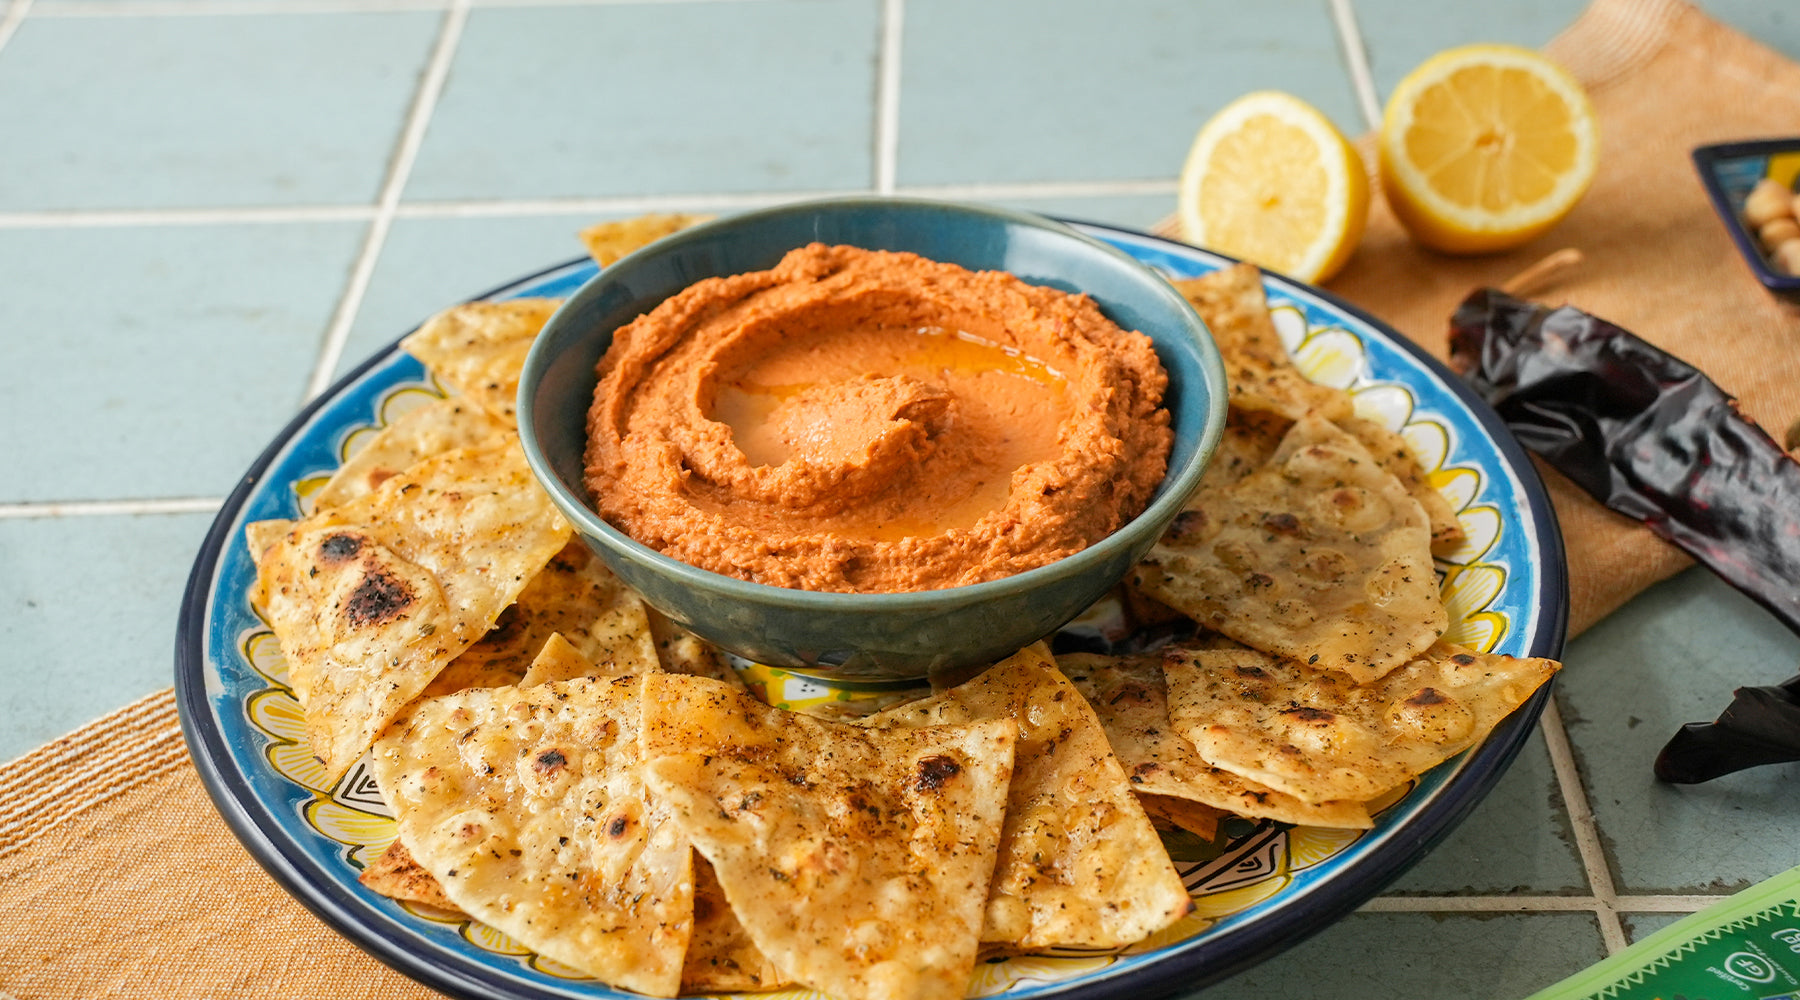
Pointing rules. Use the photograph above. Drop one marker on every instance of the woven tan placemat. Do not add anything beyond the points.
(118, 878)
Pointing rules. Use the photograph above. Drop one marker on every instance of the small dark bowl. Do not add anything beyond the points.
(1729, 170)
(888, 635)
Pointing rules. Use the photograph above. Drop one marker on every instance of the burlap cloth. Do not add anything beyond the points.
(117, 878)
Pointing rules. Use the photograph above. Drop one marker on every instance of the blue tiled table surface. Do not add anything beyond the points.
(209, 209)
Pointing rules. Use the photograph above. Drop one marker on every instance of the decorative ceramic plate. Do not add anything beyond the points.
(1264, 888)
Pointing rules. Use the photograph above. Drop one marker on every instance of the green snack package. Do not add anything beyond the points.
(1746, 946)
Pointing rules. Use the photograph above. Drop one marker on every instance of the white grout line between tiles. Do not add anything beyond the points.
(1356, 60)
(1586, 829)
(214, 8)
(10, 19)
(134, 217)
(405, 152)
(109, 508)
(520, 208)
(887, 95)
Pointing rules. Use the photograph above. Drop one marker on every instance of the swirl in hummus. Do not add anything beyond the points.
(855, 420)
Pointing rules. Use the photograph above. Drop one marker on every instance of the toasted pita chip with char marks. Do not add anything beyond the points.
(1321, 555)
(370, 600)
(1080, 863)
(528, 806)
(856, 859)
(479, 348)
(1130, 697)
(397, 876)
(1318, 736)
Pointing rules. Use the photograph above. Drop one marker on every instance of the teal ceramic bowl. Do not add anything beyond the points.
(873, 636)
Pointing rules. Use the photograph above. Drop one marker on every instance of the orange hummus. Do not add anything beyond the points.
(853, 420)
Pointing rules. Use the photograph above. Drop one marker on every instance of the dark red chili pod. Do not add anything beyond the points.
(1651, 437)
(1643, 432)
(1760, 726)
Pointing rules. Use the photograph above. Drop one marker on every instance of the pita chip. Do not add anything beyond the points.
(416, 435)
(598, 616)
(1396, 456)
(1259, 374)
(721, 957)
(1080, 863)
(1130, 698)
(857, 859)
(1318, 736)
(611, 240)
(479, 348)
(372, 599)
(1320, 555)
(397, 876)
(261, 536)
(528, 806)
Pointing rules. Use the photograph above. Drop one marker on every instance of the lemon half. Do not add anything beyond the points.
(1272, 181)
(1484, 147)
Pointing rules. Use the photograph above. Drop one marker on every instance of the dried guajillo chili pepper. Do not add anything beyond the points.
(1760, 726)
(1643, 432)
(1651, 437)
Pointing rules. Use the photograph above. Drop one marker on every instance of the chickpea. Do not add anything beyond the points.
(1775, 232)
(1786, 257)
(1768, 200)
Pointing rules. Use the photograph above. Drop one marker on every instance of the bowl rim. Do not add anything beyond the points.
(1172, 492)
(1706, 161)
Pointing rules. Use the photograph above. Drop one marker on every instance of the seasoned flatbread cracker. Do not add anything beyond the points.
(1321, 555)
(372, 599)
(1316, 735)
(260, 536)
(611, 240)
(478, 349)
(721, 957)
(416, 435)
(576, 595)
(1248, 442)
(1129, 696)
(559, 660)
(857, 859)
(1396, 456)
(1080, 864)
(1169, 812)
(397, 876)
(528, 807)
(1259, 375)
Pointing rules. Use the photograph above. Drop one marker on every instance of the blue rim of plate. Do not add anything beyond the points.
(268, 826)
